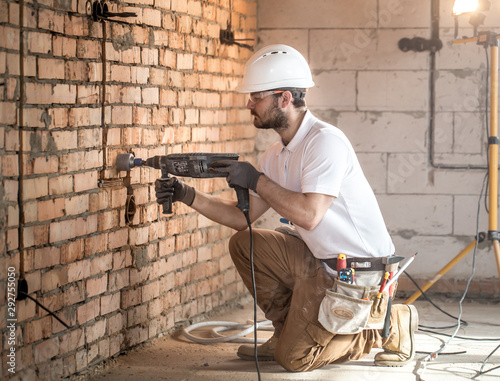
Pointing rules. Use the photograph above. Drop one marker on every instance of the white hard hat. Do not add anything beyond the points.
(276, 67)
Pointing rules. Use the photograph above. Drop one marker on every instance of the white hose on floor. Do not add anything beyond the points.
(222, 326)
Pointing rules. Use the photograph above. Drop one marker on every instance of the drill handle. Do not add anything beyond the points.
(243, 198)
(167, 205)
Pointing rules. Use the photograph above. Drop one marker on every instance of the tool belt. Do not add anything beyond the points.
(359, 264)
(350, 308)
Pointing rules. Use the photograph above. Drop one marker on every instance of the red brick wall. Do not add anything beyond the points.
(81, 93)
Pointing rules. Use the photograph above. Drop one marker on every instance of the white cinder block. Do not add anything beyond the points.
(317, 14)
(385, 131)
(423, 214)
(409, 173)
(460, 90)
(295, 38)
(392, 90)
(333, 90)
(375, 169)
(404, 14)
(465, 215)
(363, 49)
(435, 252)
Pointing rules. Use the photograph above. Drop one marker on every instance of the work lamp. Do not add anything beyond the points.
(473, 8)
(464, 6)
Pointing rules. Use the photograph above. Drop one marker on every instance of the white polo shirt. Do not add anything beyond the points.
(320, 159)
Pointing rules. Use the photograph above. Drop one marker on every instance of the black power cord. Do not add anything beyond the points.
(23, 294)
(254, 290)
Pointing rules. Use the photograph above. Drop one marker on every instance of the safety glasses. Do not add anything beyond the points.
(257, 97)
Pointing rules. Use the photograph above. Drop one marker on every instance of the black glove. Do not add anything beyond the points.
(239, 173)
(172, 187)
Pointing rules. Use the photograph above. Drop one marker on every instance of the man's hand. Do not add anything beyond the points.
(172, 187)
(239, 173)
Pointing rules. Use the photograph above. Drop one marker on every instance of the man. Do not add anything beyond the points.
(312, 178)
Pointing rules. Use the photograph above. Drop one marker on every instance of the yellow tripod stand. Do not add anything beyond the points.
(491, 40)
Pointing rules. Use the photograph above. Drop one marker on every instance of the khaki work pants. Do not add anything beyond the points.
(290, 285)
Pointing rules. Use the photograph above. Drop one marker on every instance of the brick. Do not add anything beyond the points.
(118, 239)
(93, 159)
(59, 117)
(129, 94)
(118, 279)
(39, 42)
(95, 71)
(85, 116)
(76, 26)
(151, 17)
(149, 56)
(55, 278)
(64, 94)
(10, 38)
(110, 303)
(121, 115)
(120, 73)
(60, 231)
(158, 76)
(116, 323)
(71, 252)
(103, 262)
(47, 257)
(71, 340)
(78, 270)
(130, 298)
(88, 94)
(65, 140)
(50, 20)
(35, 188)
(150, 95)
(77, 71)
(184, 61)
(45, 165)
(8, 113)
(150, 291)
(96, 286)
(10, 165)
(49, 68)
(96, 244)
(99, 201)
(60, 185)
(10, 63)
(139, 74)
(95, 331)
(50, 209)
(38, 329)
(85, 181)
(12, 241)
(89, 137)
(76, 204)
(137, 315)
(88, 311)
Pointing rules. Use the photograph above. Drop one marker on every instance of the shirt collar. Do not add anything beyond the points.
(303, 130)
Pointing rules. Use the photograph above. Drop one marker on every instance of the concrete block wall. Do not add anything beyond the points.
(74, 93)
(380, 97)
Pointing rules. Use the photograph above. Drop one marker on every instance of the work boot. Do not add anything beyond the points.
(265, 352)
(400, 350)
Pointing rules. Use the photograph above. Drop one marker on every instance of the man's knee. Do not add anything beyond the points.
(239, 243)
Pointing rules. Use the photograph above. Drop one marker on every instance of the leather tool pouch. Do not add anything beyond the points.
(348, 308)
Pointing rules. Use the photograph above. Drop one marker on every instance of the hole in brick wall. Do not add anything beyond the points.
(130, 209)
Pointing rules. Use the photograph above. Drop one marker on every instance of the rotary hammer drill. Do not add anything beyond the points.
(196, 165)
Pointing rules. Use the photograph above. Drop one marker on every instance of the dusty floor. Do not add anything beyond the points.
(177, 358)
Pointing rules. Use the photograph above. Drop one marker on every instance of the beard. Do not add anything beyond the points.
(273, 118)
